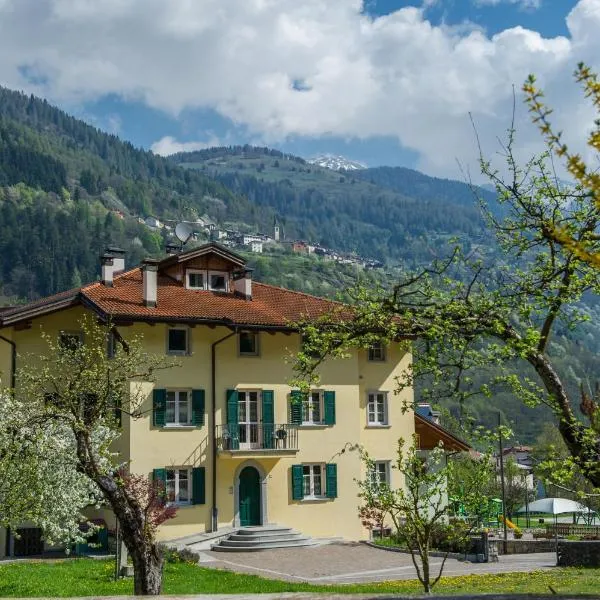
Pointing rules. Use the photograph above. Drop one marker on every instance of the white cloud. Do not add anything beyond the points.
(395, 75)
(169, 145)
(524, 4)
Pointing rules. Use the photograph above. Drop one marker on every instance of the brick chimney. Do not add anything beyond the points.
(150, 282)
(107, 266)
(242, 284)
(118, 255)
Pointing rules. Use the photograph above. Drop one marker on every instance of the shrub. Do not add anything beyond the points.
(517, 533)
(172, 555)
(451, 537)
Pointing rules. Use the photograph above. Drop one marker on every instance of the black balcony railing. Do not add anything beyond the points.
(257, 436)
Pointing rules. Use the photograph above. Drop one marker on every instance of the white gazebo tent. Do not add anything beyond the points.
(556, 506)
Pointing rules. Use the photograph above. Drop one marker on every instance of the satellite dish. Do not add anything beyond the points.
(183, 232)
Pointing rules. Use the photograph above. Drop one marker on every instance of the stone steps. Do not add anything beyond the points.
(254, 539)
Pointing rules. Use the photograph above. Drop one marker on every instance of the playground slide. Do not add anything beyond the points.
(509, 523)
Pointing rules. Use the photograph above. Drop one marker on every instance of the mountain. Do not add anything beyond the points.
(345, 210)
(67, 190)
(336, 163)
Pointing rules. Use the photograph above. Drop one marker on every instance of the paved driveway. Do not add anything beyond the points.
(356, 563)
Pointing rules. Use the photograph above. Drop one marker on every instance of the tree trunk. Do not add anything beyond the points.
(145, 553)
(147, 570)
(584, 450)
(426, 574)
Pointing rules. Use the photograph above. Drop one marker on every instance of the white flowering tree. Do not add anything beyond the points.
(39, 480)
(80, 392)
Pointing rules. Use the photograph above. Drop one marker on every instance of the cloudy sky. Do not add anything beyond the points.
(381, 81)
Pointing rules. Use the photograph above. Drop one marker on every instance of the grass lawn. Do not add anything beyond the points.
(86, 577)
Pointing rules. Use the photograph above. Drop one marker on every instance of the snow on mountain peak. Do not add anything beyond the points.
(336, 163)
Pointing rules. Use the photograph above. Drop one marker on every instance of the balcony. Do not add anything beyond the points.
(248, 439)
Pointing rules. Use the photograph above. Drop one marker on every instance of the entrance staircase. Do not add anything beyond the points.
(253, 539)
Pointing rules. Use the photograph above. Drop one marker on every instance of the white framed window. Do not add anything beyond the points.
(248, 343)
(377, 410)
(312, 481)
(178, 487)
(312, 408)
(218, 281)
(178, 410)
(377, 352)
(380, 473)
(178, 340)
(195, 280)
(70, 340)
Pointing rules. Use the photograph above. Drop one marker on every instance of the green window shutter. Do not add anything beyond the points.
(268, 417)
(198, 485)
(329, 406)
(159, 407)
(160, 476)
(297, 483)
(198, 408)
(296, 407)
(232, 420)
(331, 480)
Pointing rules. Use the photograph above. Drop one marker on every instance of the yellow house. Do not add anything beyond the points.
(222, 430)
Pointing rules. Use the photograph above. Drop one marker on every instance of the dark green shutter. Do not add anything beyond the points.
(331, 479)
(329, 403)
(232, 420)
(198, 407)
(160, 476)
(268, 417)
(296, 407)
(297, 483)
(159, 407)
(198, 485)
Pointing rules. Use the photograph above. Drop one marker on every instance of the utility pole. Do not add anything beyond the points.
(504, 543)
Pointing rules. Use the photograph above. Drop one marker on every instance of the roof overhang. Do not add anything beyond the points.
(38, 309)
(210, 248)
(431, 434)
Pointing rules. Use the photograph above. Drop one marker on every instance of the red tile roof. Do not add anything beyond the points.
(270, 306)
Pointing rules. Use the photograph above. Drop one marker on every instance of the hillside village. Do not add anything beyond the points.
(205, 227)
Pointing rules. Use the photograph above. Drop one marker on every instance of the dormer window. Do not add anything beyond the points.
(196, 280)
(217, 281)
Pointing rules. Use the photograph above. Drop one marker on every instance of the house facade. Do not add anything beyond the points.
(224, 430)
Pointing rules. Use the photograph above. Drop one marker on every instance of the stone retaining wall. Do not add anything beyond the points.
(526, 546)
(578, 554)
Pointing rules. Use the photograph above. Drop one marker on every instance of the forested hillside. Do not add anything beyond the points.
(67, 190)
(345, 210)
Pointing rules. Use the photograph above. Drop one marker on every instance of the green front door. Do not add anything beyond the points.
(249, 497)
